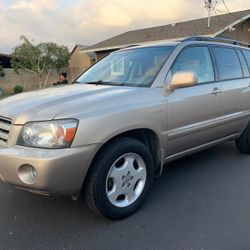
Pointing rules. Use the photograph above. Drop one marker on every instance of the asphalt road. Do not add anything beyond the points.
(200, 202)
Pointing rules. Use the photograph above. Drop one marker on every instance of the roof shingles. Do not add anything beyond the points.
(197, 27)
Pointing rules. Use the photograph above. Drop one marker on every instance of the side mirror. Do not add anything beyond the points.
(183, 79)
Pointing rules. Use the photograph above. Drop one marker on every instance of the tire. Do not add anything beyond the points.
(117, 184)
(243, 142)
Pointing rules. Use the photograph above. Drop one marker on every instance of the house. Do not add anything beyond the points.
(234, 26)
(80, 61)
(5, 61)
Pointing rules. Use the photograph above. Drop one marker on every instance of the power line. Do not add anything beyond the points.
(224, 3)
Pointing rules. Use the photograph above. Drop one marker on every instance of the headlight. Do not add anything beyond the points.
(49, 134)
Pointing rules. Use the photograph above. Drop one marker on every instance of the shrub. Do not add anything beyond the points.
(18, 89)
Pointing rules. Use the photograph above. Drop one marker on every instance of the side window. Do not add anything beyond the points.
(243, 64)
(228, 63)
(246, 54)
(197, 60)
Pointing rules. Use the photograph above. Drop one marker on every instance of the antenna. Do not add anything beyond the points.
(209, 6)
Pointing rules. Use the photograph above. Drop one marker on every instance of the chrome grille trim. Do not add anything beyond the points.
(5, 125)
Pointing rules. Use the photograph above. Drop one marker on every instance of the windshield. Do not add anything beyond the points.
(133, 67)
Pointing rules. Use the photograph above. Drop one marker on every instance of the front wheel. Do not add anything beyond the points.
(120, 178)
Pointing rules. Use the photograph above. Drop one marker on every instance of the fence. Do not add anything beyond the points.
(28, 80)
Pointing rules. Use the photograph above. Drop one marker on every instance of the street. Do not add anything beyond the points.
(200, 202)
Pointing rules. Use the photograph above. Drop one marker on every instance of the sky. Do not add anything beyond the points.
(86, 22)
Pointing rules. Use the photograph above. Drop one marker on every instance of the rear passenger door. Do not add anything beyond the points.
(194, 113)
(233, 76)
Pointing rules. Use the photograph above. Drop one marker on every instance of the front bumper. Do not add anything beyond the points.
(59, 171)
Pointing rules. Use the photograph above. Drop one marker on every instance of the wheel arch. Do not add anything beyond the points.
(145, 135)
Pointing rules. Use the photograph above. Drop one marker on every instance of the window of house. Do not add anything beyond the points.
(117, 66)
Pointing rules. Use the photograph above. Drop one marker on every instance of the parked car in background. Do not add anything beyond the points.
(110, 134)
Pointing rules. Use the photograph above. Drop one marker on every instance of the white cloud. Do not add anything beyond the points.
(90, 21)
(33, 5)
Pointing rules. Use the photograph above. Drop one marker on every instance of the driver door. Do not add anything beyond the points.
(194, 113)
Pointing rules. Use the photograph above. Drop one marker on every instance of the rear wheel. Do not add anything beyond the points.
(120, 178)
(243, 143)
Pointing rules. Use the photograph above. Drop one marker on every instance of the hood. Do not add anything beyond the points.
(62, 102)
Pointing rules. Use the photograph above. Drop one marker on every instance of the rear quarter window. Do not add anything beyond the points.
(243, 64)
(246, 54)
(228, 63)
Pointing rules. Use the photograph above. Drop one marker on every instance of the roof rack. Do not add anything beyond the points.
(216, 39)
(130, 46)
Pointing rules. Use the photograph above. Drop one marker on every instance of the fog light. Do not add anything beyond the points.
(27, 174)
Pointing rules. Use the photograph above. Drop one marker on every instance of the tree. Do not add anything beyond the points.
(40, 59)
(2, 73)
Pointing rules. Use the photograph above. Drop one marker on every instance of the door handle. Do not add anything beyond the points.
(216, 91)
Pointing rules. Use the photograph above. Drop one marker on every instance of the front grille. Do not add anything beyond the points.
(5, 125)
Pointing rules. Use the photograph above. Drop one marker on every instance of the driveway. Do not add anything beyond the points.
(200, 202)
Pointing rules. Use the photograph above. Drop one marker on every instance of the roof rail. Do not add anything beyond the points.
(130, 46)
(216, 39)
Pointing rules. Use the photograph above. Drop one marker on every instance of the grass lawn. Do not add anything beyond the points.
(5, 95)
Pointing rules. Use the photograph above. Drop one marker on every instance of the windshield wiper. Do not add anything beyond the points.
(105, 83)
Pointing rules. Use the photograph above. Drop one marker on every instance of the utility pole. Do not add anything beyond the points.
(209, 5)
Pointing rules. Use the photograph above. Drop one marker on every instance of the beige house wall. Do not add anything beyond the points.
(101, 54)
(78, 63)
(241, 32)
